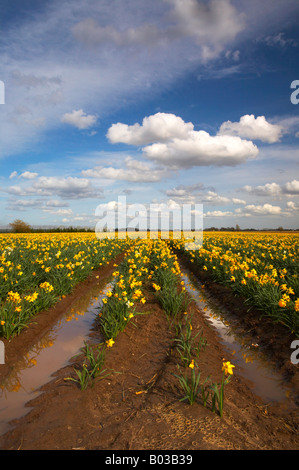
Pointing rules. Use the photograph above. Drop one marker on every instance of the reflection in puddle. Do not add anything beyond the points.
(50, 354)
(251, 364)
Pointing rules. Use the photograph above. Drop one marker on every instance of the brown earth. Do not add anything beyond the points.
(138, 406)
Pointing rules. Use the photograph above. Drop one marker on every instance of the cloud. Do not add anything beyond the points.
(56, 203)
(177, 145)
(288, 124)
(185, 191)
(58, 211)
(212, 24)
(17, 190)
(201, 149)
(66, 188)
(235, 56)
(33, 81)
(291, 187)
(292, 206)
(265, 209)
(70, 187)
(51, 206)
(23, 204)
(218, 214)
(28, 175)
(236, 200)
(213, 198)
(269, 189)
(159, 127)
(135, 171)
(253, 128)
(279, 39)
(196, 194)
(79, 119)
(91, 33)
(274, 189)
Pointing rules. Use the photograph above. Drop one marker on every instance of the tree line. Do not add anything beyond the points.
(19, 226)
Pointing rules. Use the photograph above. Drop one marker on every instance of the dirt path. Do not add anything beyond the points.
(138, 407)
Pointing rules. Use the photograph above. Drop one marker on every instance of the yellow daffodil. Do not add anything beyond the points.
(110, 342)
(227, 367)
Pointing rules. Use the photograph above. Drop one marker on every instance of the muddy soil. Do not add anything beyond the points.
(138, 407)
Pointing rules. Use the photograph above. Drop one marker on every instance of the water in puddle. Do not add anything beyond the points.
(250, 363)
(50, 354)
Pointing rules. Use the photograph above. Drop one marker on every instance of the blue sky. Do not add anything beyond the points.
(169, 102)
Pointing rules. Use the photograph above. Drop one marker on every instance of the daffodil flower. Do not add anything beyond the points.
(227, 367)
(110, 342)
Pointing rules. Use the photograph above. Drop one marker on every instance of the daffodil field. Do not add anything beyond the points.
(36, 270)
(261, 267)
(150, 265)
(122, 300)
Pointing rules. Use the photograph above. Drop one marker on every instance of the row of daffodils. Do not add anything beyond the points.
(261, 267)
(150, 265)
(37, 270)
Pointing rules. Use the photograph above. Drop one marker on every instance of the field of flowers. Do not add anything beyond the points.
(36, 270)
(261, 267)
(151, 266)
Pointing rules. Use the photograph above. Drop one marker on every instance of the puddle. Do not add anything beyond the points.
(248, 359)
(50, 354)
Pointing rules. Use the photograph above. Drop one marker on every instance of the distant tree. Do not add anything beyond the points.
(238, 228)
(19, 226)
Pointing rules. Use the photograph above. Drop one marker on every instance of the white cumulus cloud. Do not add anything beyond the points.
(134, 171)
(79, 119)
(274, 189)
(218, 214)
(265, 209)
(201, 149)
(176, 144)
(28, 175)
(292, 187)
(159, 127)
(268, 189)
(251, 127)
